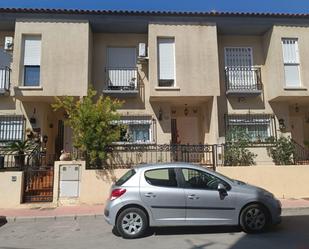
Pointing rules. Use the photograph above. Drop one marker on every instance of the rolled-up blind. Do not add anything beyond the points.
(290, 51)
(32, 54)
(166, 54)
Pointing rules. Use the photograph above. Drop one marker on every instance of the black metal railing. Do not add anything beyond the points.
(128, 155)
(121, 78)
(33, 158)
(5, 73)
(243, 79)
(301, 154)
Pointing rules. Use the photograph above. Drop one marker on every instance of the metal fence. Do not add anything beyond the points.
(243, 79)
(122, 79)
(128, 155)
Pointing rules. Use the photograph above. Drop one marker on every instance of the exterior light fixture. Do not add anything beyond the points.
(296, 108)
(160, 117)
(186, 111)
(281, 124)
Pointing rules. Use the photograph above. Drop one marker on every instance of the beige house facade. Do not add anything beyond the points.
(184, 78)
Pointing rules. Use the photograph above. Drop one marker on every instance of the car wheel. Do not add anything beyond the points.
(254, 219)
(132, 223)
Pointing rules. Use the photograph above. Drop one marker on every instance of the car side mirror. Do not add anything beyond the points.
(222, 189)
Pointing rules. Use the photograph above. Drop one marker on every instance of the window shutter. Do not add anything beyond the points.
(166, 53)
(32, 52)
(290, 51)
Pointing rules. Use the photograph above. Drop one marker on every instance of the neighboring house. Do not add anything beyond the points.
(186, 78)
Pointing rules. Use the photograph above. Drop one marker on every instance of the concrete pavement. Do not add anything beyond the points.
(94, 233)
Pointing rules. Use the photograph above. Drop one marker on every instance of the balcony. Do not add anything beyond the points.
(4, 80)
(122, 82)
(243, 81)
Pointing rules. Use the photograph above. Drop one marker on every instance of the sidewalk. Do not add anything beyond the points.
(97, 210)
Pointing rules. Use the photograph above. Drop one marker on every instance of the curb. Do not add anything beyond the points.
(12, 219)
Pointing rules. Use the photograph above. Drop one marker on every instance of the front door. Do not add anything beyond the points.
(297, 129)
(159, 191)
(188, 130)
(204, 204)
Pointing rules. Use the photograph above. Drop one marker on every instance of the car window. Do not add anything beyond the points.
(161, 177)
(201, 180)
(125, 177)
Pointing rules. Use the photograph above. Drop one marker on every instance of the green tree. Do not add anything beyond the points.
(236, 148)
(92, 119)
(282, 152)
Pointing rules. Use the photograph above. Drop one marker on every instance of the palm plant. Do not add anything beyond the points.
(19, 148)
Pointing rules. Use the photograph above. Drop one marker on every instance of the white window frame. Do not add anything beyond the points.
(24, 38)
(174, 85)
(296, 63)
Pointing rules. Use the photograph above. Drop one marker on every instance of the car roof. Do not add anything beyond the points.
(168, 165)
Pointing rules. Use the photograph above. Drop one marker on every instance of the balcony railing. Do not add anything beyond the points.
(243, 80)
(121, 80)
(4, 79)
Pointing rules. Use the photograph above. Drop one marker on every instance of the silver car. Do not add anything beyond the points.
(186, 195)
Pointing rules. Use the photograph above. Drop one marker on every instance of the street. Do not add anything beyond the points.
(93, 233)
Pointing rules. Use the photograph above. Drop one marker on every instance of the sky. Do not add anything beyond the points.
(274, 6)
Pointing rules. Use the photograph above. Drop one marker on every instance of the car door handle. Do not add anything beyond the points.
(193, 197)
(150, 195)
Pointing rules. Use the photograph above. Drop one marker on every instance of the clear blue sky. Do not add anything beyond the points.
(284, 6)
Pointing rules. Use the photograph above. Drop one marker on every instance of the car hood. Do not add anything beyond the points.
(249, 187)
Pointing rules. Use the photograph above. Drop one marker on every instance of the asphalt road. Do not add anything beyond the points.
(94, 233)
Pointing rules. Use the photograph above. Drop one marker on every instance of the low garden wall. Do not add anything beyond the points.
(283, 181)
(11, 189)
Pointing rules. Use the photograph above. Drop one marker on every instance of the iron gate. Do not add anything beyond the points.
(38, 184)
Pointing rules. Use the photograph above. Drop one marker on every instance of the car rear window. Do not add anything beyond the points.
(125, 177)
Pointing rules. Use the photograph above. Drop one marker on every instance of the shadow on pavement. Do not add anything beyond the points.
(3, 221)
(194, 230)
(292, 233)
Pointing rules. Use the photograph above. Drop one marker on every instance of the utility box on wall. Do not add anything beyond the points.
(69, 180)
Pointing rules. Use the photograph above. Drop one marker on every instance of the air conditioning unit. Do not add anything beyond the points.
(8, 43)
(142, 50)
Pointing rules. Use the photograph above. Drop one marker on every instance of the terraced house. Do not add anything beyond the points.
(186, 78)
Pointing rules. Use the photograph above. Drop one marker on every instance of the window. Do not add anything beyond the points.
(197, 179)
(136, 129)
(291, 62)
(259, 127)
(32, 60)
(161, 177)
(11, 128)
(239, 67)
(166, 59)
(121, 68)
(125, 177)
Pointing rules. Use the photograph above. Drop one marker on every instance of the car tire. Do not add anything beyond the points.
(254, 219)
(132, 223)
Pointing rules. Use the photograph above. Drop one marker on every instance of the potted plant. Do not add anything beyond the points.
(19, 148)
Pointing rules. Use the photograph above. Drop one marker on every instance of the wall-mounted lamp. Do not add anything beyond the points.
(160, 116)
(281, 124)
(186, 110)
(296, 108)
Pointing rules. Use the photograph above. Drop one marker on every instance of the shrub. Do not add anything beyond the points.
(92, 119)
(236, 148)
(282, 152)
